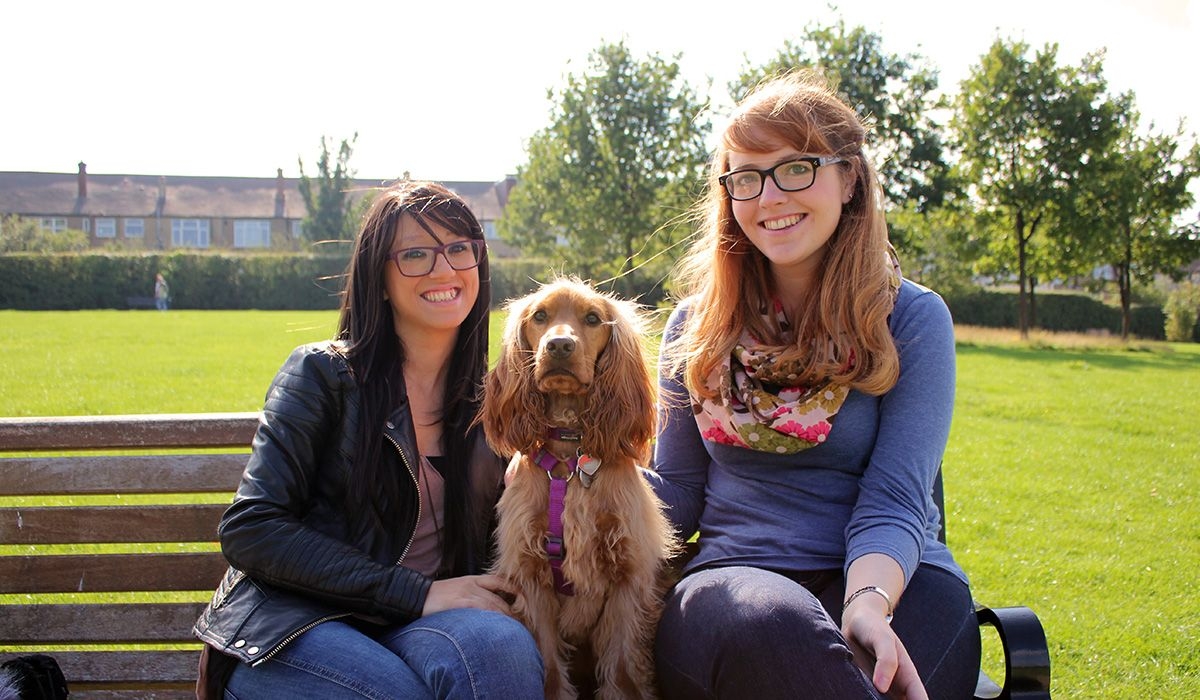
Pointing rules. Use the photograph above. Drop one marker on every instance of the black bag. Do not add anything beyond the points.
(33, 677)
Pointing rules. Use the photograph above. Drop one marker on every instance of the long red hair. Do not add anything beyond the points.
(730, 281)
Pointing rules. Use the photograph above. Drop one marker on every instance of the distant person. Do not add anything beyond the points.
(162, 292)
(807, 392)
(361, 525)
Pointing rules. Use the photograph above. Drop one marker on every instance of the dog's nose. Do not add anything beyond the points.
(560, 347)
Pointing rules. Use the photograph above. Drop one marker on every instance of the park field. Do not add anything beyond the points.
(1071, 474)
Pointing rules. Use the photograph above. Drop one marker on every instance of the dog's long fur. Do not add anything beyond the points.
(573, 357)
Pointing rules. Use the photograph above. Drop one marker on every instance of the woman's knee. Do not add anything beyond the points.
(746, 628)
(730, 613)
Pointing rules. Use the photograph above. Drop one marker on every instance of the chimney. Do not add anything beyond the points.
(280, 199)
(82, 180)
(161, 204)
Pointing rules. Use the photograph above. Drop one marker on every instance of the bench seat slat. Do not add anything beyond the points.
(112, 623)
(125, 474)
(91, 573)
(110, 524)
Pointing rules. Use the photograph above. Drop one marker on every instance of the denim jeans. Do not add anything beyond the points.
(463, 653)
(741, 632)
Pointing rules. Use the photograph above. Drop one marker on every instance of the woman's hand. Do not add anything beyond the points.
(879, 652)
(485, 592)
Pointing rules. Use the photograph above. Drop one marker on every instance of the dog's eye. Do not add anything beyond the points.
(540, 316)
(593, 319)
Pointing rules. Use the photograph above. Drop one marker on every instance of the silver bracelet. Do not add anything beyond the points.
(870, 589)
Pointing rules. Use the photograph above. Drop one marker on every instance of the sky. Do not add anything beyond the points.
(453, 90)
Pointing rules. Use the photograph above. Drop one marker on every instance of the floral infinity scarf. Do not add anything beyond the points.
(759, 406)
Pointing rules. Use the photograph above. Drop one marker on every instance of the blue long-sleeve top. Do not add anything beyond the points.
(866, 489)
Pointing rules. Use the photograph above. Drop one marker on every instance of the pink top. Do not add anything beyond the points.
(425, 554)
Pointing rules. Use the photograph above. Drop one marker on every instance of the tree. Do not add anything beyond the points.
(608, 179)
(1128, 201)
(1025, 130)
(19, 235)
(894, 92)
(332, 213)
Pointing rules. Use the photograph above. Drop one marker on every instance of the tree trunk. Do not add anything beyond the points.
(1125, 285)
(1032, 301)
(1022, 301)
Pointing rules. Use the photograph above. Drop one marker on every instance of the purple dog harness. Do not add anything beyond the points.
(586, 468)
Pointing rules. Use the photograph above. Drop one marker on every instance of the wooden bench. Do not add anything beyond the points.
(118, 552)
(141, 302)
(100, 566)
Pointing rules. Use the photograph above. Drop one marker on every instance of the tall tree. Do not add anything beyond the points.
(1025, 130)
(609, 178)
(1129, 200)
(332, 212)
(896, 93)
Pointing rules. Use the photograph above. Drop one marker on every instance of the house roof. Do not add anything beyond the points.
(58, 194)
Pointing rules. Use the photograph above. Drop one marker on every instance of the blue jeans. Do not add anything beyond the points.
(741, 632)
(463, 653)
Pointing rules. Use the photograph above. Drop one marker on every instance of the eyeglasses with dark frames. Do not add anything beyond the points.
(790, 176)
(419, 261)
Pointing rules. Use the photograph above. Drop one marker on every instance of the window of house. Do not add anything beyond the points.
(489, 229)
(189, 233)
(53, 224)
(135, 228)
(251, 233)
(297, 228)
(106, 228)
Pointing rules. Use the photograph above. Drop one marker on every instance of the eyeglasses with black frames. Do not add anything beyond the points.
(791, 176)
(419, 261)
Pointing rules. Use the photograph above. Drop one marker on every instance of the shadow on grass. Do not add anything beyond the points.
(1117, 359)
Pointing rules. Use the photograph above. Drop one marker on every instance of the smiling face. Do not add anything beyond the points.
(791, 229)
(438, 302)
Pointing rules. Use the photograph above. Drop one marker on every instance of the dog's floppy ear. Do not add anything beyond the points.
(512, 406)
(621, 402)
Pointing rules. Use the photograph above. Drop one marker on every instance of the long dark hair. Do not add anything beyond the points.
(376, 356)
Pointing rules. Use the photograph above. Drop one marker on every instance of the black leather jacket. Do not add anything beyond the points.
(293, 560)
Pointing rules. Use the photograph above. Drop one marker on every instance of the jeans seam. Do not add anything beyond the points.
(466, 664)
(330, 675)
(967, 623)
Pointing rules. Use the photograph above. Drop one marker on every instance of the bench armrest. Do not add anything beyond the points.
(1026, 655)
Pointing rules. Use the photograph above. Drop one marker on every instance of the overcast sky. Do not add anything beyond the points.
(452, 90)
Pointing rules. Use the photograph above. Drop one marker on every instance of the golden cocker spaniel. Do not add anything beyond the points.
(572, 398)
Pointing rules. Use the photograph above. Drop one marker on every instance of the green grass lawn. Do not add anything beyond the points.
(1071, 474)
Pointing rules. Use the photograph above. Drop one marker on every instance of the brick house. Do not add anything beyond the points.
(164, 212)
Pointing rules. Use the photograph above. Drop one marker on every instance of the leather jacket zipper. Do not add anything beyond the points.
(412, 536)
(297, 633)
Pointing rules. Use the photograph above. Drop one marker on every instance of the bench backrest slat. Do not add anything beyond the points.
(112, 674)
(74, 623)
(110, 524)
(123, 474)
(106, 573)
(167, 430)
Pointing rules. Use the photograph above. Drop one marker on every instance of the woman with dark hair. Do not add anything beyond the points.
(807, 391)
(362, 521)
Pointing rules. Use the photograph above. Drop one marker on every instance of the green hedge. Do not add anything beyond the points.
(197, 281)
(1055, 312)
(306, 281)
(228, 281)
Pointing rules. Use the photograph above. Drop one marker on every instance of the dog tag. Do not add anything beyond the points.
(587, 469)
